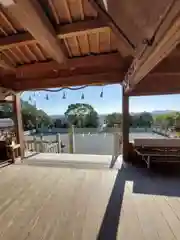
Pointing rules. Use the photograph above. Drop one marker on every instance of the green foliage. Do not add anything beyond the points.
(5, 110)
(166, 121)
(34, 118)
(82, 115)
(31, 116)
(144, 119)
(114, 118)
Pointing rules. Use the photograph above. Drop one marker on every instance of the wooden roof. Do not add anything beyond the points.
(52, 43)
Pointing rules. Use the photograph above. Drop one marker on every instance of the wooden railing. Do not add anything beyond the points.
(41, 145)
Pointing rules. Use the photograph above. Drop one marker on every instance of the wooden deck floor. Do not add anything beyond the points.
(83, 161)
(58, 203)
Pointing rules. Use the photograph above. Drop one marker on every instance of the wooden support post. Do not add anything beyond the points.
(34, 144)
(71, 140)
(41, 145)
(125, 126)
(19, 124)
(58, 139)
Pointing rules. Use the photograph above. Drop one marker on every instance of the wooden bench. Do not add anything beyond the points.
(158, 150)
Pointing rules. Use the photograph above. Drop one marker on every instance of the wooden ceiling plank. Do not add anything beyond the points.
(62, 32)
(3, 31)
(81, 9)
(7, 22)
(41, 56)
(67, 10)
(4, 64)
(125, 47)
(16, 56)
(33, 56)
(31, 16)
(22, 55)
(54, 11)
(78, 46)
(67, 46)
(165, 40)
(41, 51)
(9, 58)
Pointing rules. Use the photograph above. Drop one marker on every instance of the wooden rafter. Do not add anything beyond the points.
(124, 45)
(61, 32)
(31, 16)
(84, 79)
(165, 40)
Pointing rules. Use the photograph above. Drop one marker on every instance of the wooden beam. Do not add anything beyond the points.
(62, 31)
(111, 62)
(18, 123)
(158, 84)
(163, 42)
(31, 16)
(84, 79)
(168, 65)
(125, 126)
(125, 46)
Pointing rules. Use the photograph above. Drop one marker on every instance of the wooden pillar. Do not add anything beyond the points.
(18, 123)
(58, 139)
(125, 125)
(72, 139)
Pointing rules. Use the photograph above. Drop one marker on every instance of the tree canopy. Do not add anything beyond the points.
(144, 119)
(168, 120)
(31, 116)
(114, 118)
(82, 115)
(138, 120)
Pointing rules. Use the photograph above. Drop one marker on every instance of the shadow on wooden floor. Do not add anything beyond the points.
(111, 218)
(145, 181)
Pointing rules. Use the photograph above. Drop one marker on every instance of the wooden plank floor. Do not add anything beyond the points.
(58, 203)
(87, 161)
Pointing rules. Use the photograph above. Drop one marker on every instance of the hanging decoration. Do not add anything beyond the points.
(82, 96)
(64, 95)
(30, 99)
(47, 97)
(101, 94)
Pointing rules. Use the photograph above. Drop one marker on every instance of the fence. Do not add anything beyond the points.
(77, 142)
(41, 145)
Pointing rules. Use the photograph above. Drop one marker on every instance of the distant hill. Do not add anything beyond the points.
(156, 112)
(57, 116)
(161, 112)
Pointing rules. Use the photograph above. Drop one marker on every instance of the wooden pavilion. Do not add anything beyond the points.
(52, 43)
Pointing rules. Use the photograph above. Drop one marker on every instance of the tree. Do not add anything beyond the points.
(166, 121)
(114, 118)
(144, 119)
(34, 118)
(5, 110)
(81, 115)
(31, 116)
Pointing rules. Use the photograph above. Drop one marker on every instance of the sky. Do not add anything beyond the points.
(111, 101)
